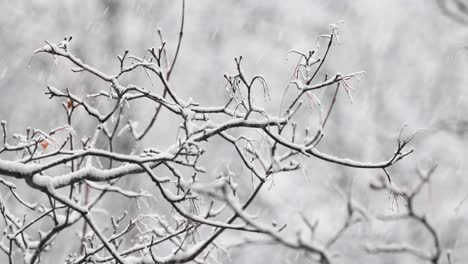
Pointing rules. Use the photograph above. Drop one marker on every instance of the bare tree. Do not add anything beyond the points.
(75, 172)
(408, 196)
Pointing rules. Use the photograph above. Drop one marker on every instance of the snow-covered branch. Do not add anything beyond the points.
(74, 171)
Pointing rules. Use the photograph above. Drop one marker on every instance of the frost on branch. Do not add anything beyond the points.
(75, 175)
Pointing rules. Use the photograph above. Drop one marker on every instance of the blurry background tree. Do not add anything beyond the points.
(415, 61)
(455, 9)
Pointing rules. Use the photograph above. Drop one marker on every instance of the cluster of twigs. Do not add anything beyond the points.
(409, 213)
(75, 175)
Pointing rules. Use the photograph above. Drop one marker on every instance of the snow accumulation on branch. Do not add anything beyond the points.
(74, 172)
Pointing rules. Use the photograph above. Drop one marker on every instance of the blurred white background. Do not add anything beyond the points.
(416, 64)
